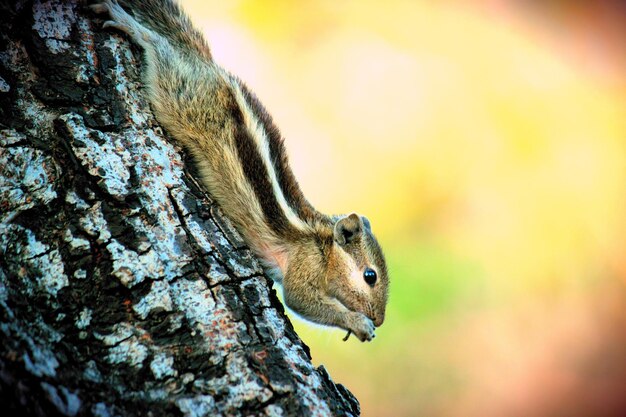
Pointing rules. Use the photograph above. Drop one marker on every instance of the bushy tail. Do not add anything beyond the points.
(168, 19)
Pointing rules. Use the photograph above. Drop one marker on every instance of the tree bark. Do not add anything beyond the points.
(123, 289)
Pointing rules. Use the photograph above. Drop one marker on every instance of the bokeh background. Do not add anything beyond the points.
(486, 142)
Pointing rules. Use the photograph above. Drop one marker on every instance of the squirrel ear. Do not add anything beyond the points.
(366, 223)
(347, 229)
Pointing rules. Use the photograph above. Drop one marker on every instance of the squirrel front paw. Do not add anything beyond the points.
(121, 20)
(362, 326)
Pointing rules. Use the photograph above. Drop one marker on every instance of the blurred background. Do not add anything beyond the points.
(486, 142)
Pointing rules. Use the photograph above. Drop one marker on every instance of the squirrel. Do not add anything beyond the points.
(331, 268)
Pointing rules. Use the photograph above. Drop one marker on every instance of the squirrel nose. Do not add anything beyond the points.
(378, 320)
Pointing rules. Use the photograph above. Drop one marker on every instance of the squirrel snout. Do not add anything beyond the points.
(378, 320)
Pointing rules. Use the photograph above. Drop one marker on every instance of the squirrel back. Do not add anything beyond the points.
(167, 19)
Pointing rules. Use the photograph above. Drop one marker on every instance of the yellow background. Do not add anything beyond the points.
(486, 142)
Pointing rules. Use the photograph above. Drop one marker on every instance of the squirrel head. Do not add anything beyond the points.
(356, 273)
(346, 262)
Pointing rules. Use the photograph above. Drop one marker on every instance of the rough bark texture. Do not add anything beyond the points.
(123, 289)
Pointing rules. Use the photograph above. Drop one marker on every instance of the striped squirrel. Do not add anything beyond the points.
(331, 268)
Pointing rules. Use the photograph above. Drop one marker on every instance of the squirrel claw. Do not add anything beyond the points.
(99, 8)
(113, 24)
(103, 7)
(347, 335)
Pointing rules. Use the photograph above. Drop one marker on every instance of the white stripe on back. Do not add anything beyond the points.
(258, 134)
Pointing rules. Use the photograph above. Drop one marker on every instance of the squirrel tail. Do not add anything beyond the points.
(166, 18)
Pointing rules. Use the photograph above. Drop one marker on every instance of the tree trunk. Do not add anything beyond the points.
(123, 289)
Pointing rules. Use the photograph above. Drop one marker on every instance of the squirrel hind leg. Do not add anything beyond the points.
(124, 22)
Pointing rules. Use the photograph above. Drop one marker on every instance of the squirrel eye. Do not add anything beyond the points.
(370, 276)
